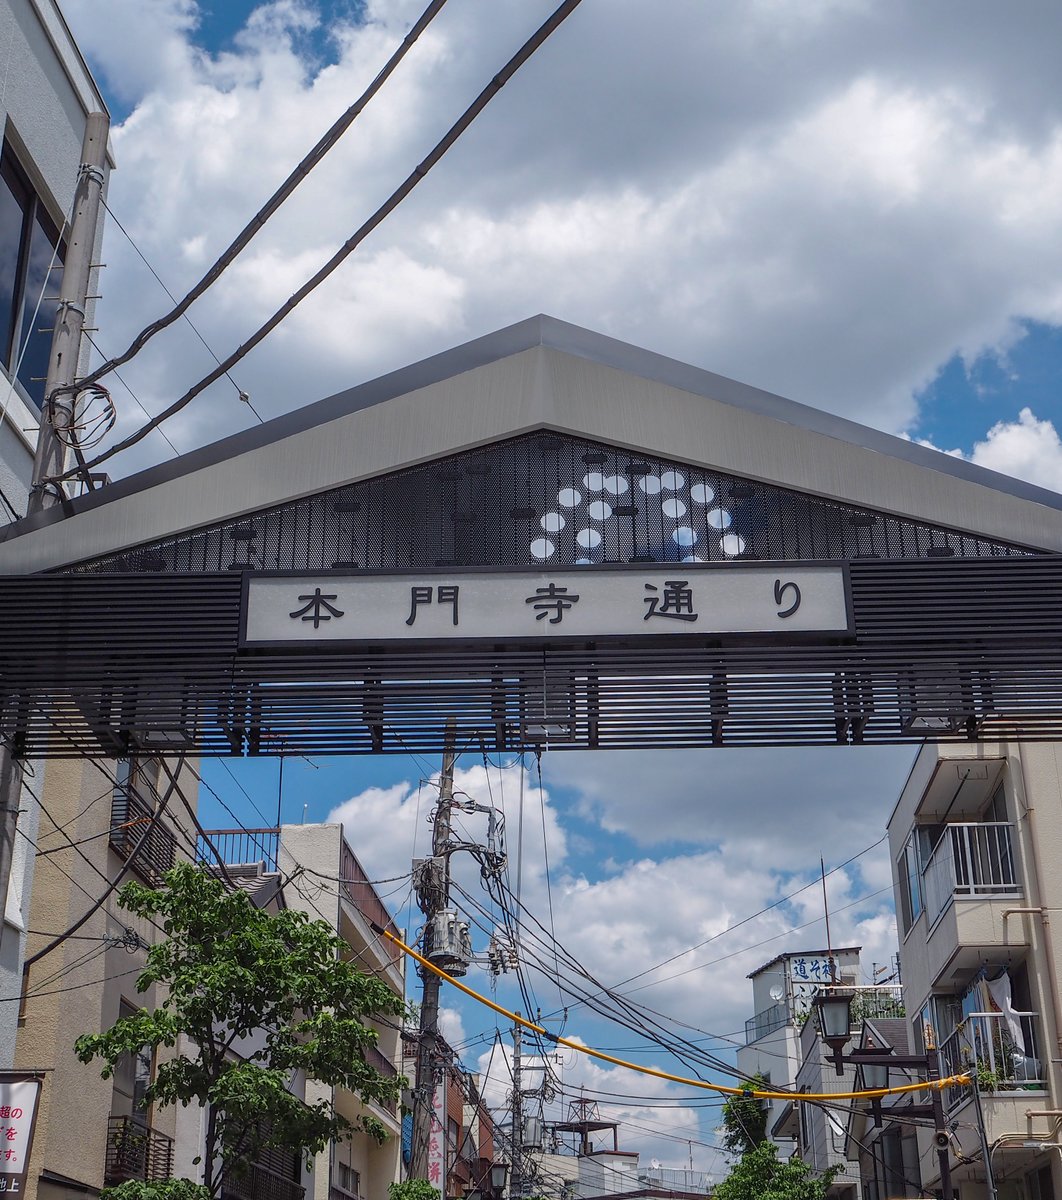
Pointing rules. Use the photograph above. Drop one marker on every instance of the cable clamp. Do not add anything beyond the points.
(91, 172)
(69, 306)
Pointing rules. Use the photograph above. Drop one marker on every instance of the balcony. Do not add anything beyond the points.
(135, 1151)
(985, 1044)
(260, 1183)
(769, 1020)
(356, 887)
(971, 861)
(130, 816)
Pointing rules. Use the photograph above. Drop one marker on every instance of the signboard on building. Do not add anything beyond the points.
(437, 1138)
(808, 973)
(18, 1115)
(662, 600)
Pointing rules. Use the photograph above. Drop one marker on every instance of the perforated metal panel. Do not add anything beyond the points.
(552, 500)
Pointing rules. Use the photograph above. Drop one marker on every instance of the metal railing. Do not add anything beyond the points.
(765, 1022)
(136, 1151)
(970, 860)
(355, 885)
(987, 1045)
(130, 816)
(883, 1000)
(240, 847)
(675, 1179)
(260, 1183)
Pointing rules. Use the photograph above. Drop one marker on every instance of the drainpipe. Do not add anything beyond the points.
(1049, 951)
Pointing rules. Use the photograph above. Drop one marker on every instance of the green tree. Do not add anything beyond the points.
(412, 1189)
(745, 1118)
(227, 972)
(760, 1176)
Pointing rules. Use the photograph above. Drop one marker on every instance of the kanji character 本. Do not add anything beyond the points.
(551, 599)
(676, 601)
(444, 594)
(317, 608)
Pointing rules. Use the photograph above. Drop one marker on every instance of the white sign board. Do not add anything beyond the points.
(18, 1113)
(657, 601)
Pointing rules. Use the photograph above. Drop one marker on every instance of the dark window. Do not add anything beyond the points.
(28, 247)
(132, 1075)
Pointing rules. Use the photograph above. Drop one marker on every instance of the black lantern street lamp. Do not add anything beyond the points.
(833, 1006)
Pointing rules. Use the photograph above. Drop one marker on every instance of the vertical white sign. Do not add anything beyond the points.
(18, 1113)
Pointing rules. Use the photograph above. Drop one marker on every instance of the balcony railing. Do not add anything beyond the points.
(765, 1022)
(130, 817)
(259, 1183)
(135, 1151)
(970, 860)
(355, 885)
(240, 847)
(985, 1044)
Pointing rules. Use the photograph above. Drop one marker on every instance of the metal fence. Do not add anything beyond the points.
(971, 859)
(1004, 1053)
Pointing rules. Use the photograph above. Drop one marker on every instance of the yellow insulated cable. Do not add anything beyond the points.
(873, 1094)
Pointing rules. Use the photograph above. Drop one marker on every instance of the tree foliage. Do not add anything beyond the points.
(758, 1175)
(745, 1119)
(248, 998)
(412, 1189)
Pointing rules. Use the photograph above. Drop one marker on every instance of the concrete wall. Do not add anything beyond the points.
(79, 986)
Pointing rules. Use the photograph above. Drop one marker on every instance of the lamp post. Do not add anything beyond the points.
(834, 1008)
(491, 1182)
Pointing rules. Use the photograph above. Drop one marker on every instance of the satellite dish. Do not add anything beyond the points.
(777, 992)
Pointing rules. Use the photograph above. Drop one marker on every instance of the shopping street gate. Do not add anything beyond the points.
(543, 538)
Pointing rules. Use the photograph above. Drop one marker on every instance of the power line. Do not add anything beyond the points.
(418, 174)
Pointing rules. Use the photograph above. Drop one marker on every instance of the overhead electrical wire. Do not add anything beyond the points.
(251, 229)
(420, 172)
(961, 1080)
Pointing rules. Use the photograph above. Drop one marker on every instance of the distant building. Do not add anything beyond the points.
(782, 991)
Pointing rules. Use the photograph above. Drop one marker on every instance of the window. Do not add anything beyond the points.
(909, 874)
(347, 1179)
(29, 241)
(132, 1075)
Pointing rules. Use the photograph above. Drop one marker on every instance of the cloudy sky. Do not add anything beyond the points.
(850, 203)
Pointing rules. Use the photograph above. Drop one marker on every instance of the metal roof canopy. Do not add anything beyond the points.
(123, 610)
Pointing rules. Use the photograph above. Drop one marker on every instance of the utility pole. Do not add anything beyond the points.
(516, 1175)
(57, 413)
(432, 880)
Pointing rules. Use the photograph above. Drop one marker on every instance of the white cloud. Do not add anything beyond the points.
(1027, 448)
(827, 204)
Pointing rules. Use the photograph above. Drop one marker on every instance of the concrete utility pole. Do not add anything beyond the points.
(432, 878)
(10, 791)
(58, 414)
(517, 1183)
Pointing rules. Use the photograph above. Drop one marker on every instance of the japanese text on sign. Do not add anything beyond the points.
(539, 603)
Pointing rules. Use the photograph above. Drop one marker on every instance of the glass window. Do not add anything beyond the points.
(132, 1075)
(909, 873)
(29, 248)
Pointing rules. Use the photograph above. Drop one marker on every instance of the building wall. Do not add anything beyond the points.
(319, 893)
(80, 985)
(940, 958)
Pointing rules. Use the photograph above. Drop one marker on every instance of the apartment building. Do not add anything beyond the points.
(975, 840)
(321, 876)
(98, 823)
(46, 95)
(782, 994)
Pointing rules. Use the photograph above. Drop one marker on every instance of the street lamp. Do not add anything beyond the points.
(834, 1008)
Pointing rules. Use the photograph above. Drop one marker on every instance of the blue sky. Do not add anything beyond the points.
(853, 205)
